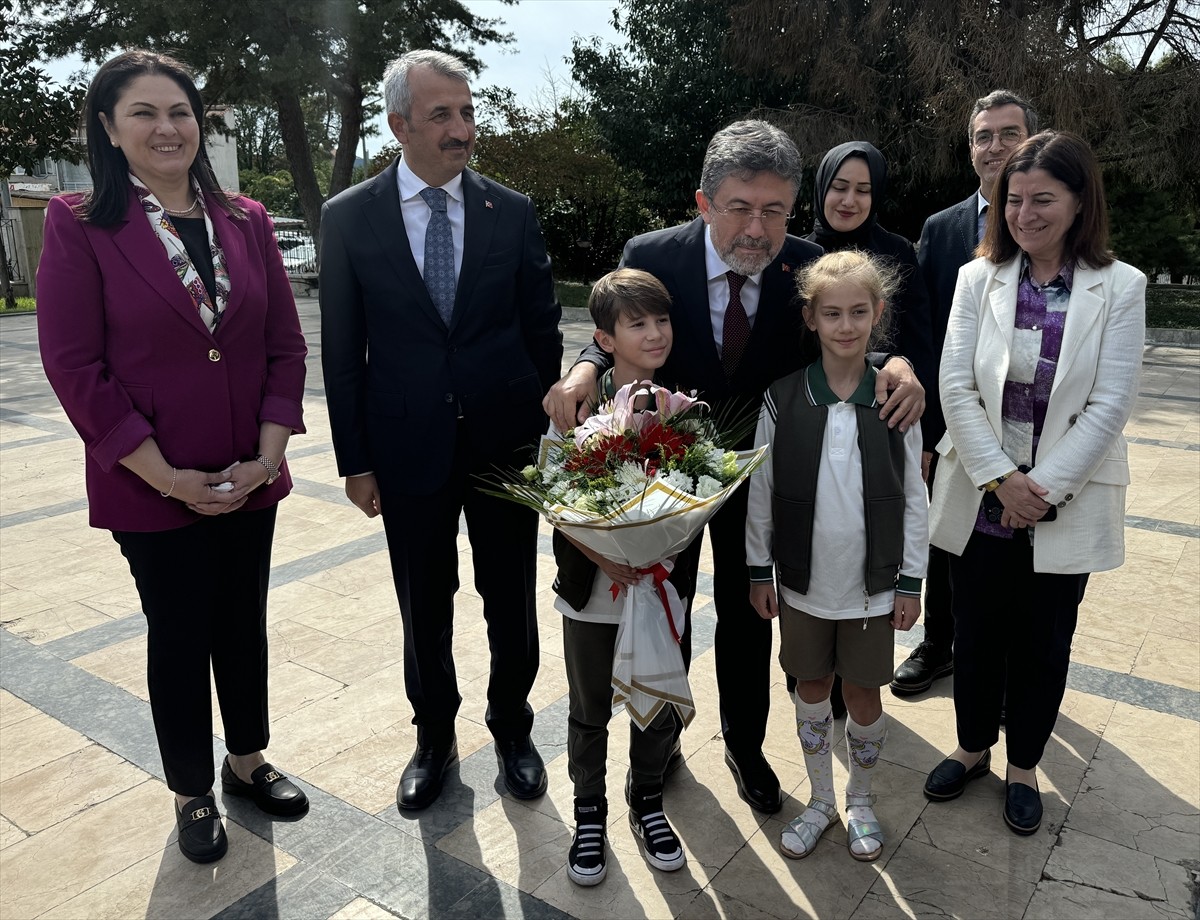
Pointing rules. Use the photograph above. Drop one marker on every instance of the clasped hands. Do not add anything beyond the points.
(218, 493)
(1022, 501)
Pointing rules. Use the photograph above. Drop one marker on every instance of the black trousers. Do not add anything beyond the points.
(203, 590)
(1012, 637)
(743, 639)
(588, 652)
(422, 535)
(939, 610)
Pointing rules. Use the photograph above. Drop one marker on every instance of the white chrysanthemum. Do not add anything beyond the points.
(706, 486)
(681, 482)
(630, 475)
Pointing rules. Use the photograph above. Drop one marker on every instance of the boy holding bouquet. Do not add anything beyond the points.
(631, 310)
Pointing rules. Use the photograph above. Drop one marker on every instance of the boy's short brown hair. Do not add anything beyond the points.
(627, 292)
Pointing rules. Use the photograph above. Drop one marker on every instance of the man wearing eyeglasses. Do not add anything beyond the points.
(731, 276)
(998, 122)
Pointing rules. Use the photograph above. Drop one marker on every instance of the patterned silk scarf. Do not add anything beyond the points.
(164, 229)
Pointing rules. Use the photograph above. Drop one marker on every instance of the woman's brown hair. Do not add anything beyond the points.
(1068, 158)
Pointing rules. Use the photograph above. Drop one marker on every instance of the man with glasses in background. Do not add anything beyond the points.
(730, 273)
(998, 122)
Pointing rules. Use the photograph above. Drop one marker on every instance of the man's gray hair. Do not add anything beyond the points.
(746, 148)
(397, 94)
(1000, 97)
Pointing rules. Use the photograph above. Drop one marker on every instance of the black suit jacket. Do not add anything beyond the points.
(397, 379)
(947, 244)
(676, 256)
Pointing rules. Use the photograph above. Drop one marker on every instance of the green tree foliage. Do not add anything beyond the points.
(659, 97)
(552, 151)
(37, 121)
(275, 53)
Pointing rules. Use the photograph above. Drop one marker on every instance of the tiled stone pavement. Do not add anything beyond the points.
(86, 825)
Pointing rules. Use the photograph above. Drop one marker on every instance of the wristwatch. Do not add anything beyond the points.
(272, 468)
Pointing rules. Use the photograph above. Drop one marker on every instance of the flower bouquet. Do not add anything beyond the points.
(636, 485)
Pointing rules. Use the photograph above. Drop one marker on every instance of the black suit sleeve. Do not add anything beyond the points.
(343, 349)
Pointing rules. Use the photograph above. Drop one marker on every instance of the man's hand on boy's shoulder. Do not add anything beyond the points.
(569, 401)
(899, 394)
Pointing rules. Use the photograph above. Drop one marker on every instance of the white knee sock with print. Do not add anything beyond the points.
(814, 725)
(864, 742)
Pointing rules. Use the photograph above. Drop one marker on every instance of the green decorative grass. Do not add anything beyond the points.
(573, 295)
(24, 305)
(1172, 306)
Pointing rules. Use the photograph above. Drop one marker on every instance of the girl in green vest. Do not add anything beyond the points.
(838, 516)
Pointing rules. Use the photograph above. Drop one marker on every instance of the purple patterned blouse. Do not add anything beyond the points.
(1033, 361)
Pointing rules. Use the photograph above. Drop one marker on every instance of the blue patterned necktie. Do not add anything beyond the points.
(439, 254)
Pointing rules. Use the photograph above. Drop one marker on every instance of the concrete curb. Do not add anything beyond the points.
(1182, 338)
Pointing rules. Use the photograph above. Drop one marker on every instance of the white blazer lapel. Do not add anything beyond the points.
(997, 342)
(1084, 320)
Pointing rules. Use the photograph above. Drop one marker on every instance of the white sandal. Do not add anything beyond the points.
(800, 837)
(859, 830)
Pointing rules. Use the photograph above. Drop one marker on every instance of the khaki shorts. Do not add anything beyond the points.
(811, 647)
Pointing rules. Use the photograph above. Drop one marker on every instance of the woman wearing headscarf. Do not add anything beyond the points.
(168, 330)
(850, 184)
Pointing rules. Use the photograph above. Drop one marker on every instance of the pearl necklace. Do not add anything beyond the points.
(195, 204)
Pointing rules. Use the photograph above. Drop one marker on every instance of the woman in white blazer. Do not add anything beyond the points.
(1038, 377)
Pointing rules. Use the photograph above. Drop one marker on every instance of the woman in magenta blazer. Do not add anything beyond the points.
(168, 330)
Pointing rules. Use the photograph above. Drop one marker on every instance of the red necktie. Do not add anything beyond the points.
(736, 332)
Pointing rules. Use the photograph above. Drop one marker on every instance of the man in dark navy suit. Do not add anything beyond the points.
(731, 276)
(998, 122)
(439, 333)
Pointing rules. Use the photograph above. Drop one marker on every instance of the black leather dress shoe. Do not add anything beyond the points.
(421, 781)
(1022, 809)
(271, 791)
(521, 764)
(919, 670)
(757, 784)
(949, 778)
(201, 835)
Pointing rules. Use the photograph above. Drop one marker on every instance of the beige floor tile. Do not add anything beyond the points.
(296, 597)
(122, 665)
(361, 653)
(1169, 660)
(166, 885)
(14, 709)
(53, 792)
(1102, 653)
(1102, 616)
(61, 619)
(48, 869)
(514, 844)
(16, 602)
(10, 833)
(942, 884)
(343, 615)
(366, 774)
(341, 720)
(711, 904)
(630, 889)
(293, 686)
(288, 640)
(362, 909)
(1177, 624)
(349, 578)
(35, 741)
(1099, 863)
(828, 883)
(1142, 789)
(1068, 901)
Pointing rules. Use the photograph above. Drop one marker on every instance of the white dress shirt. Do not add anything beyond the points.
(416, 214)
(718, 290)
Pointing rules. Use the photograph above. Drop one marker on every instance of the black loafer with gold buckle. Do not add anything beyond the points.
(201, 835)
(271, 791)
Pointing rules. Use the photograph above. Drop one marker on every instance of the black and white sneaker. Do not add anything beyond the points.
(585, 862)
(659, 843)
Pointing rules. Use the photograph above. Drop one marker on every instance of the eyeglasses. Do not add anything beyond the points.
(1009, 137)
(771, 220)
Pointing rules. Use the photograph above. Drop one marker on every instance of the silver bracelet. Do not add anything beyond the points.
(167, 494)
(272, 468)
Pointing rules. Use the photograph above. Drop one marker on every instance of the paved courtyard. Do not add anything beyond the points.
(86, 823)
